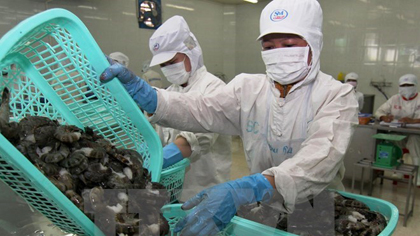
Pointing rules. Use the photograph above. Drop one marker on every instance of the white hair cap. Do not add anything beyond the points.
(352, 76)
(120, 58)
(408, 79)
(299, 17)
(172, 37)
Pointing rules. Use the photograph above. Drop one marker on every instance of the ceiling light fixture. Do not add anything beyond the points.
(251, 1)
(180, 7)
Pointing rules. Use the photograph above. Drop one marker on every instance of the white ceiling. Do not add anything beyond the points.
(236, 1)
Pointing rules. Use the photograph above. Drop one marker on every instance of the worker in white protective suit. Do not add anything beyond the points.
(404, 107)
(120, 58)
(295, 121)
(151, 76)
(181, 60)
(351, 78)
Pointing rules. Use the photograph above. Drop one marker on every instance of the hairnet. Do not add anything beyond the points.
(408, 79)
(172, 37)
(120, 58)
(300, 17)
(352, 76)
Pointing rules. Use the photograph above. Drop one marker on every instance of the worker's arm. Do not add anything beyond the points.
(175, 152)
(409, 120)
(271, 180)
(213, 208)
(142, 93)
(217, 112)
(384, 111)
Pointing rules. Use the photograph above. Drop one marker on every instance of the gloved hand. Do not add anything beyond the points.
(139, 90)
(216, 206)
(171, 155)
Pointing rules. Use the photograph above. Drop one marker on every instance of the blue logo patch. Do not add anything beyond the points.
(279, 15)
(156, 47)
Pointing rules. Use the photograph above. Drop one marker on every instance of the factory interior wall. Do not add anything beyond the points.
(376, 39)
(113, 24)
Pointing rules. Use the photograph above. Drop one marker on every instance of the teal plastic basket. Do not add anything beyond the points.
(243, 227)
(173, 179)
(51, 64)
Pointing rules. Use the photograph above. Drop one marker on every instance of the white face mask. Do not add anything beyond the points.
(286, 65)
(353, 83)
(176, 73)
(408, 92)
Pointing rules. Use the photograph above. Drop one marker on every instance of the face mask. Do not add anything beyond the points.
(408, 92)
(176, 73)
(286, 65)
(353, 83)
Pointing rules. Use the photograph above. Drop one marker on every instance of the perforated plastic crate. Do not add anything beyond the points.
(51, 64)
(173, 178)
(243, 227)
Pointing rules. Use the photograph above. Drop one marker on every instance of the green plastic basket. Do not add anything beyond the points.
(243, 227)
(173, 178)
(53, 64)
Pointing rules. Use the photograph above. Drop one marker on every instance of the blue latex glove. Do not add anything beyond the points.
(216, 206)
(139, 90)
(171, 155)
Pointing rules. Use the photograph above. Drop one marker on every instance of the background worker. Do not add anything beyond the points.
(152, 77)
(120, 58)
(404, 107)
(295, 121)
(351, 78)
(181, 60)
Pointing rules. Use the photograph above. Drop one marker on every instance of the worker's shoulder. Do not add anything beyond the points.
(249, 79)
(395, 97)
(249, 82)
(246, 76)
(325, 82)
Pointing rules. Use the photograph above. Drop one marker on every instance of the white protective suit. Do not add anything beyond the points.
(359, 95)
(211, 157)
(300, 139)
(400, 107)
(120, 58)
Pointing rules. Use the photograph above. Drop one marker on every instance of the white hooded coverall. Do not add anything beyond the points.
(359, 95)
(400, 108)
(300, 139)
(211, 158)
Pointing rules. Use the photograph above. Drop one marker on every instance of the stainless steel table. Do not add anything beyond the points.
(403, 130)
(405, 169)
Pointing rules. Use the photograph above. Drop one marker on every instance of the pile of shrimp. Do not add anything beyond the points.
(108, 184)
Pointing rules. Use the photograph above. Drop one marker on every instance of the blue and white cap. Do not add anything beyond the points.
(300, 17)
(172, 37)
(408, 79)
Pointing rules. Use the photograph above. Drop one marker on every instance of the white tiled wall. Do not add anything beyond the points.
(378, 39)
(113, 25)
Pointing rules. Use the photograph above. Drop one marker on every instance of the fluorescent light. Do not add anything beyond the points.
(228, 13)
(251, 1)
(87, 7)
(128, 13)
(180, 7)
(96, 18)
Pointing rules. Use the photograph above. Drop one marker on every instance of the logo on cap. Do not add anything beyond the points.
(278, 15)
(156, 47)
